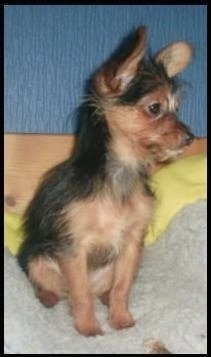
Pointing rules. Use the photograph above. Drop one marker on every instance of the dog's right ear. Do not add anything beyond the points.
(114, 77)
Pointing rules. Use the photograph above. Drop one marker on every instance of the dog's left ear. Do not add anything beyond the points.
(114, 77)
(175, 57)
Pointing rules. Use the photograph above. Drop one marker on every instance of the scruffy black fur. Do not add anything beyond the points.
(80, 176)
(150, 77)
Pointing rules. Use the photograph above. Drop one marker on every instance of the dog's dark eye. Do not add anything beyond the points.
(155, 108)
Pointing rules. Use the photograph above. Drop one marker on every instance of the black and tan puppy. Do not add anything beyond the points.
(85, 227)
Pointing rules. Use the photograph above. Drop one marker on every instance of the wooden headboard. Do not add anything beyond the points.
(28, 156)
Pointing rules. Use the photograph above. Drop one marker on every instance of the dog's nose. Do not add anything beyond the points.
(188, 138)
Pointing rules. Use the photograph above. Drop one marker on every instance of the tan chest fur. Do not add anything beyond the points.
(102, 225)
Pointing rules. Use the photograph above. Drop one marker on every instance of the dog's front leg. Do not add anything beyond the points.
(125, 271)
(81, 298)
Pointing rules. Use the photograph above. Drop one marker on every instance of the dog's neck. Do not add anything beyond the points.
(125, 170)
(120, 177)
(125, 148)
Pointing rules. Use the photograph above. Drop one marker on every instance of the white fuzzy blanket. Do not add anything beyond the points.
(168, 301)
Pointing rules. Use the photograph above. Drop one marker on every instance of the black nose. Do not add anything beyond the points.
(188, 138)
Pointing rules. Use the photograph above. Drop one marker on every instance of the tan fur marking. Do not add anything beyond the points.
(104, 221)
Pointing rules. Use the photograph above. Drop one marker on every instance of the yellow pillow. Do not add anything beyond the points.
(12, 231)
(175, 185)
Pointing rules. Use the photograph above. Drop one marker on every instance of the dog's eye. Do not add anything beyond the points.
(155, 108)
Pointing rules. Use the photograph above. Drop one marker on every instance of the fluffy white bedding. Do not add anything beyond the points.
(168, 301)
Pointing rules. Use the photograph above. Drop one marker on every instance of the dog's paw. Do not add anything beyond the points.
(47, 298)
(121, 320)
(88, 328)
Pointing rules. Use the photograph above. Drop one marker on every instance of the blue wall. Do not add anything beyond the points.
(50, 50)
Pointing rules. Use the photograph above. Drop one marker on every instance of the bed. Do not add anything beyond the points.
(168, 300)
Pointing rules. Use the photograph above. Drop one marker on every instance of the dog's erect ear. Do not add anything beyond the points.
(175, 57)
(114, 76)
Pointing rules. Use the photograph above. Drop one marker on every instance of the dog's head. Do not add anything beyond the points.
(140, 97)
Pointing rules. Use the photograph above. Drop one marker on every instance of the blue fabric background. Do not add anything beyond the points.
(50, 50)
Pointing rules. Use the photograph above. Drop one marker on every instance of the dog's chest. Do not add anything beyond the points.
(103, 224)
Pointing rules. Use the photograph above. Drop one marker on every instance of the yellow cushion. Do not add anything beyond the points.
(176, 185)
(12, 231)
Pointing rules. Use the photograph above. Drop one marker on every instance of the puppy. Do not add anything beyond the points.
(85, 227)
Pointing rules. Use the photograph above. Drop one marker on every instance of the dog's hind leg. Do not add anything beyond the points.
(48, 282)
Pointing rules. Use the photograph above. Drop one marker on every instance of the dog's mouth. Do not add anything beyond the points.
(170, 153)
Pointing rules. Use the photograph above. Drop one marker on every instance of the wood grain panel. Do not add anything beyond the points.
(27, 157)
